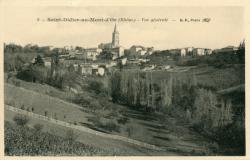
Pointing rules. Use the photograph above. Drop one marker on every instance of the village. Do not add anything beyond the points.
(98, 60)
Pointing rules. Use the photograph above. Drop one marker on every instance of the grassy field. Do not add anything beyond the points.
(41, 103)
(94, 145)
(152, 128)
(209, 76)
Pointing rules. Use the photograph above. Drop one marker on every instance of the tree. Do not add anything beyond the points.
(39, 61)
(120, 64)
(21, 120)
(241, 52)
(107, 55)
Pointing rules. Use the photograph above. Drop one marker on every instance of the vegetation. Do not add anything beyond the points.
(180, 96)
(27, 141)
(38, 127)
(21, 120)
(189, 96)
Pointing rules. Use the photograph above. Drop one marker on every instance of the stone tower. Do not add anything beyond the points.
(115, 38)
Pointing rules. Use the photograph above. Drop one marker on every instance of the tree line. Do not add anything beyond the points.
(180, 90)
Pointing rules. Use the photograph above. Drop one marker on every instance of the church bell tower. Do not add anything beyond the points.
(115, 38)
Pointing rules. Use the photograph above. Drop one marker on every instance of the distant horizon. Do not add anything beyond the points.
(224, 29)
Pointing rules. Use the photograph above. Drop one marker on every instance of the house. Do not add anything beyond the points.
(136, 49)
(208, 51)
(124, 61)
(76, 66)
(175, 51)
(80, 55)
(141, 50)
(189, 51)
(92, 53)
(105, 45)
(100, 71)
(47, 64)
(117, 52)
(228, 49)
(111, 64)
(150, 50)
(149, 68)
(183, 52)
(198, 51)
(72, 53)
(85, 69)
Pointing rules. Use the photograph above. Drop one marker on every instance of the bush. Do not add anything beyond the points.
(111, 126)
(122, 120)
(96, 86)
(38, 127)
(105, 124)
(21, 120)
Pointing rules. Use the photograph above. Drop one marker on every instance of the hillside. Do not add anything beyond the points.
(150, 128)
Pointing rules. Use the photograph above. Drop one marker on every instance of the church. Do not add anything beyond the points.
(113, 47)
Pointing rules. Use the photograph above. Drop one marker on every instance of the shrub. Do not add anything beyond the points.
(38, 127)
(96, 86)
(111, 126)
(122, 120)
(21, 120)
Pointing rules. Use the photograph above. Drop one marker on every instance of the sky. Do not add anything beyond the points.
(225, 26)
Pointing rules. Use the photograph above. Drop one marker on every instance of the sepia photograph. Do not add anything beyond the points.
(124, 80)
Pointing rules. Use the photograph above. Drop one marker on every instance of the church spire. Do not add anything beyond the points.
(115, 37)
(115, 29)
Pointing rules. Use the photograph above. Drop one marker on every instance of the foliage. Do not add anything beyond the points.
(106, 55)
(105, 124)
(206, 112)
(232, 136)
(21, 120)
(38, 127)
(30, 143)
(138, 89)
(39, 61)
(95, 85)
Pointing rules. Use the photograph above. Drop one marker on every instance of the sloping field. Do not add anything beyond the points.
(41, 103)
(219, 78)
(109, 146)
(148, 128)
